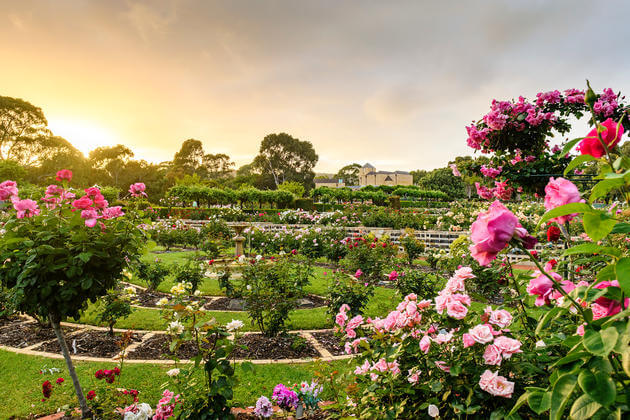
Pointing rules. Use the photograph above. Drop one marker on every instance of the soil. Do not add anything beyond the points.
(223, 303)
(331, 343)
(9, 320)
(156, 347)
(91, 343)
(280, 347)
(25, 335)
(149, 299)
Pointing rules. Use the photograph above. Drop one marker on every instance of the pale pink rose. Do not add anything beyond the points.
(464, 299)
(373, 376)
(393, 367)
(456, 310)
(464, 273)
(347, 348)
(443, 366)
(341, 319)
(363, 369)
(440, 302)
(492, 355)
(112, 212)
(355, 322)
(454, 284)
(413, 377)
(137, 189)
(559, 192)
(381, 365)
(423, 304)
(350, 333)
(496, 385)
(25, 208)
(580, 330)
(411, 296)
(501, 318)
(391, 321)
(443, 338)
(508, 346)
(492, 231)
(481, 333)
(344, 308)
(468, 340)
(412, 308)
(425, 343)
(90, 216)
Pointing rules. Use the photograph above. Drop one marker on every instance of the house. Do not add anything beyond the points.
(368, 175)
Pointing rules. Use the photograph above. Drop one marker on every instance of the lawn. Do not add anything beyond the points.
(21, 395)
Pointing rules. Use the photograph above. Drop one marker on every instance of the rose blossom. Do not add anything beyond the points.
(492, 355)
(501, 318)
(559, 192)
(468, 340)
(508, 346)
(8, 190)
(492, 231)
(611, 135)
(137, 190)
(542, 287)
(425, 343)
(433, 411)
(496, 385)
(481, 333)
(456, 310)
(64, 175)
(90, 216)
(25, 208)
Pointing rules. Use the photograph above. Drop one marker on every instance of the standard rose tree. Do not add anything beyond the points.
(64, 252)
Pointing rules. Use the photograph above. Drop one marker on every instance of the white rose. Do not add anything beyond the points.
(434, 411)
(171, 373)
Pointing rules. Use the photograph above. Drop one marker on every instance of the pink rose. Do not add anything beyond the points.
(611, 135)
(355, 322)
(440, 302)
(542, 287)
(491, 232)
(64, 175)
(481, 333)
(341, 319)
(393, 276)
(425, 343)
(443, 366)
(90, 216)
(381, 365)
(456, 310)
(464, 273)
(508, 346)
(25, 208)
(413, 377)
(492, 355)
(443, 338)
(82, 203)
(358, 274)
(468, 340)
(496, 385)
(8, 190)
(112, 212)
(344, 308)
(559, 192)
(137, 190)
(580, 330)
(501, 318)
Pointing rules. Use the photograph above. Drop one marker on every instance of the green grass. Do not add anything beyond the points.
(21, 395)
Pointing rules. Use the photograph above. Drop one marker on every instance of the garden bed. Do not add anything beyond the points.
(93, 343)
(25, 335)
(331, 343)
(229, 304)
(280, 347)
(157, 348)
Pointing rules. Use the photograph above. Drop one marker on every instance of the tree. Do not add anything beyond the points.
(349, 173)
(190, 158)
(111, 160)
(442, 179)
(217, 166)
(417, 175)
(285, 158)
(293, 187)
(23, 130)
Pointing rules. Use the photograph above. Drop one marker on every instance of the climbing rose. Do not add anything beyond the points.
(611, 135)
(493, 230)
(64, 174)
(559, 192)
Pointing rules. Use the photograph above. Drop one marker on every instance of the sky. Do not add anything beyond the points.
(393, 83)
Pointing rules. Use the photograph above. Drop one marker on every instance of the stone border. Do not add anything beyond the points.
(326, 356)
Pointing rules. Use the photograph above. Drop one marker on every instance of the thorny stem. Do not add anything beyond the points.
(556, 285)
(524, 316)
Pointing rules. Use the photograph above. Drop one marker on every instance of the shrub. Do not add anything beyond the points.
(152, 273)
(115, 305)
(370, 255)
(210, 248)
(345, 289)
(271, 289)
(423, 284)
(189, 272)
(413, 246)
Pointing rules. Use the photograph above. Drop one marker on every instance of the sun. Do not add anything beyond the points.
(85, 135)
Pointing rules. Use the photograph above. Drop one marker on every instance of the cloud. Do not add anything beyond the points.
(149, 20)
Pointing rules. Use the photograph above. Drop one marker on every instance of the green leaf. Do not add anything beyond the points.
(567, 147)
(600, 343)
(539, 401)
(602, 188)
(592, 248)
(598, 224)
(584, 408)
(577, 162)
(625, 361)
(548, 317)
(564, 210)
(562, 390)
(622, 271)
(607, 273)
(599, 386)
(572, 357)
(519, 403)
(621, 228)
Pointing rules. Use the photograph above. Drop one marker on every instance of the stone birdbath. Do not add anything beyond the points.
(239, 238)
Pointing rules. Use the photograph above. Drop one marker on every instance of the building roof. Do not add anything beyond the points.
(326, 181)
(402, 172)
(367, 165)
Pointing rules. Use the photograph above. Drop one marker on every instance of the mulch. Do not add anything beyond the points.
(223, 303)
(281, 347)
(93, 343)
(149, 299)
(157, 348)
(331, 343)
(25, 335)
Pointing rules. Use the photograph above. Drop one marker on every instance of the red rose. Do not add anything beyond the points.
(47, 389)
(90, 395)
(553, 233)
(59, 381)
